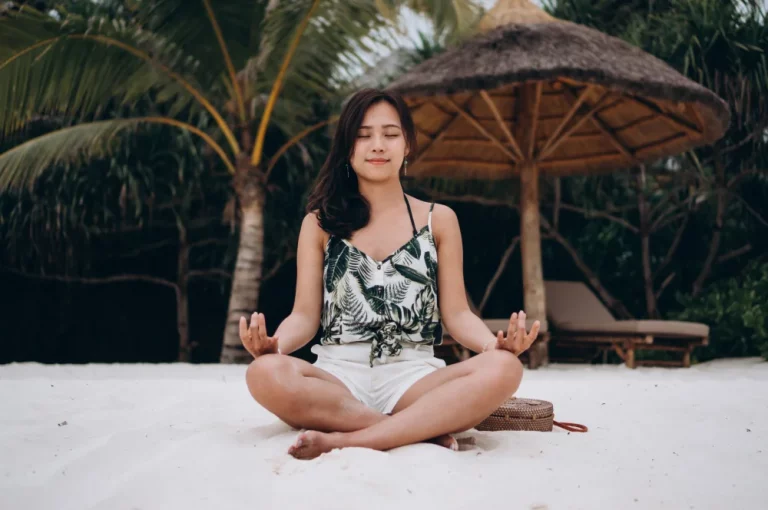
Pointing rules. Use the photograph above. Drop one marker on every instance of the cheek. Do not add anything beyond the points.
(358, 151)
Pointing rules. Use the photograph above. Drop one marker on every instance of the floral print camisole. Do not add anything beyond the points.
(389, 303)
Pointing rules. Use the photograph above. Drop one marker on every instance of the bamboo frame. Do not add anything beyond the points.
(566, 119)
(471, 119)
(502, 125)
(671, 119)
(591, 158)
(477, 141)
(576, 125)
(609, 134)
(636, 122)
(440, 135)
(534, 120)
(644, 149)
(467, 163)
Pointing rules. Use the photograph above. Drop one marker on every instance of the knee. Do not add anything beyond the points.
(505, 369)
(263, 373)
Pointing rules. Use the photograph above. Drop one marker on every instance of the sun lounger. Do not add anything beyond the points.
(536, 356)
(579, 319)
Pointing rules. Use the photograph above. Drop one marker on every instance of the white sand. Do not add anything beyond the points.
(189, 437)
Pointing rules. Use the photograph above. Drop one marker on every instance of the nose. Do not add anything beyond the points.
(378, 143)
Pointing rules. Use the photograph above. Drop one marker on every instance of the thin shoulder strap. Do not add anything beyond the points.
(429, 220)
(408, 205)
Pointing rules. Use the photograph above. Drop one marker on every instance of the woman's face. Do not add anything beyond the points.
(380, 144)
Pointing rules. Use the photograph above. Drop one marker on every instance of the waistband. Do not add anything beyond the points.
(360, 352)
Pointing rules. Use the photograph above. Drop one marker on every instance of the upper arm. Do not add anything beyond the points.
(450, 261)
(309, 274)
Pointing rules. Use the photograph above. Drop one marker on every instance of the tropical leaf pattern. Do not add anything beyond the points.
(387, 303)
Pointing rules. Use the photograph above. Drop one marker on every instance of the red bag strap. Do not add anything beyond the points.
(571, 427)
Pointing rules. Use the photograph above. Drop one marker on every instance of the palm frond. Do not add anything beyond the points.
(454, 17)
(222, 33)
(23, 164)
(84, 67)
(332, 48)
(324, 36)
(190, 25)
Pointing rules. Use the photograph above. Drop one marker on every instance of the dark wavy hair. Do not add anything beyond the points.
(336, 198)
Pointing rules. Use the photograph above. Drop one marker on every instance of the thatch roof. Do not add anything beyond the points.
(648, 109)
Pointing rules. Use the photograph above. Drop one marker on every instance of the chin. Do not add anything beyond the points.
(380, 176)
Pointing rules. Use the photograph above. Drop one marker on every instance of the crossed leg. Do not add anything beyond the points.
(304, 396)
(449, 400)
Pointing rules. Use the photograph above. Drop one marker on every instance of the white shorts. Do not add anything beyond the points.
(381, 386)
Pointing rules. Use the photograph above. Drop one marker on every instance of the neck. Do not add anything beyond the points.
(382, 196)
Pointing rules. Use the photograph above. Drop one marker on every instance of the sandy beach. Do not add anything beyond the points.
(190, 437)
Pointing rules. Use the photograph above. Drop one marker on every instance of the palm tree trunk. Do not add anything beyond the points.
(714, 244)
(645, 245)
(246, 280)
(182, 296)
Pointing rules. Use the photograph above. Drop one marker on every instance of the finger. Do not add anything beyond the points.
(534, 331)
(262, 328)
(512, 328)
(500, 341)
(273, 343)
(254, 327)
(521, 322)
(245, 336)
(531, 337)
(243, 329)
(512, 332)
(517, 341)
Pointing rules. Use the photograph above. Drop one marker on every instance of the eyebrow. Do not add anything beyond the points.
(385, 126)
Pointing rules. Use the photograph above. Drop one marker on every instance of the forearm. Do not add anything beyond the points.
(469, 330)
(295, 332)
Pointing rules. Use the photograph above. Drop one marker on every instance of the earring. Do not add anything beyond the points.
(347, 169)
(405, 166)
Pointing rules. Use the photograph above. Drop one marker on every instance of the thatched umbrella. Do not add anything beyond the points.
(533, 95)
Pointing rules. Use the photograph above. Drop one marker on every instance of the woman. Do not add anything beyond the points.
(373, 264)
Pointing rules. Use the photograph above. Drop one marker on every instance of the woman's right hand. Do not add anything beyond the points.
(254, 336)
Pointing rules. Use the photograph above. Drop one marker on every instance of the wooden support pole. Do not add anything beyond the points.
(530, 222)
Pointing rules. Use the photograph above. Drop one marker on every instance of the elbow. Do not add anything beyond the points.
(454, 316)
(309, 320)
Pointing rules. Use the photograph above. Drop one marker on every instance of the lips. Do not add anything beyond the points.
(377, 161)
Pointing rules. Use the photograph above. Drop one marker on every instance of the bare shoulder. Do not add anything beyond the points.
(443, 213)
(421, 210)
(311, 229)
(445, 223)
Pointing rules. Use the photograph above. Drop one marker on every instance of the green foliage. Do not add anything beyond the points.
(154, 184)
(736, 311)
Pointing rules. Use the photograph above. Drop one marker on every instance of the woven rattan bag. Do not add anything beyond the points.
(526, 414)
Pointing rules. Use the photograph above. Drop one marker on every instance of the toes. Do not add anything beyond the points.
(446, 441)
(298, 444)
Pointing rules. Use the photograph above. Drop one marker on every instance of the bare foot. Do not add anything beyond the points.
(446, 441)
(311, 444)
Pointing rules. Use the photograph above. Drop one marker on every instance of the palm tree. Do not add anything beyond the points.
(253, 70)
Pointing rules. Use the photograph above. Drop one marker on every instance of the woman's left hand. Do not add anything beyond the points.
(517, 340)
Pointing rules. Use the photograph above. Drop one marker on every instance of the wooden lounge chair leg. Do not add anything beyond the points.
(687, 357)
(630, 359)
(620, 351)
